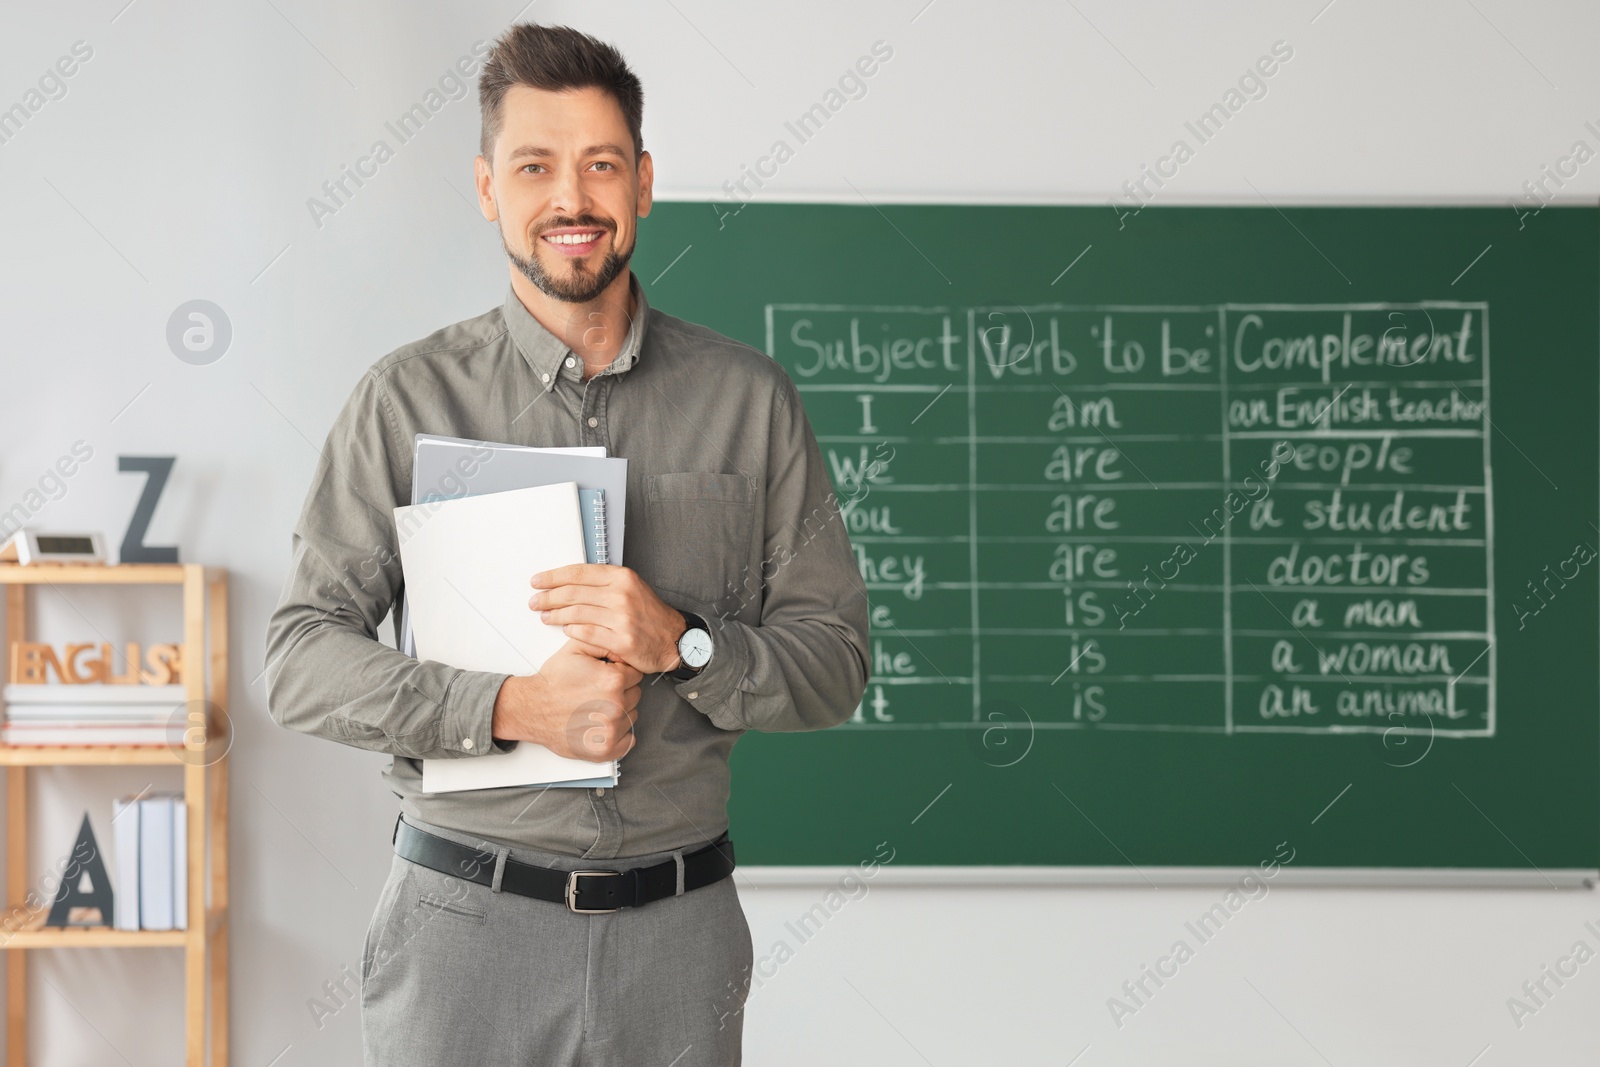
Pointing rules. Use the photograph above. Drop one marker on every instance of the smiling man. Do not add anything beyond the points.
(565, 926)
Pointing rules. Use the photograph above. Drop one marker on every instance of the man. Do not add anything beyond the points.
(739, 607)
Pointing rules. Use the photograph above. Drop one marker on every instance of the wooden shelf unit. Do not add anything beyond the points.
(205, 789)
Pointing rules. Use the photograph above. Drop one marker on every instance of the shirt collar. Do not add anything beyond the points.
(547, 354)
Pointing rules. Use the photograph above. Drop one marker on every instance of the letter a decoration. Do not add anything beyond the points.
(73, 905)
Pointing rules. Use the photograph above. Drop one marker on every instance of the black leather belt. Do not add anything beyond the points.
(586, 892)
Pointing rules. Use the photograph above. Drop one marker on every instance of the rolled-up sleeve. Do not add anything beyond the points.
(804, 666)
(327, 673)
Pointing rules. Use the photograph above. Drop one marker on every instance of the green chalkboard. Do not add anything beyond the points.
(1188, 532)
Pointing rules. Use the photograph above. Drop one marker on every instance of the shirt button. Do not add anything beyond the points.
(466, 742)
(593, 421)
(544, 377)
(693, 693)
(570, 361)
(599, 792)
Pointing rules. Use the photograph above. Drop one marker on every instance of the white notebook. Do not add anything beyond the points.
(180, 862)
(155, 862)
(467, 563)
(125, 832)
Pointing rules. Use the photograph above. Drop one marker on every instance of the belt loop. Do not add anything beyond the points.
(500, 854)
(395, 834)
(677, 857)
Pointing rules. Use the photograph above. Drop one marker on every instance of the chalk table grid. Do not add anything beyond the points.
(1139, 569)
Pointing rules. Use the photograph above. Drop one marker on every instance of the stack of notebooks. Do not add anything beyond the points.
(151, 832)
(484, 519)
(93, 714)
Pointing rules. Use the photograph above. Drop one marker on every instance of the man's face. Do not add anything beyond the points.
(565, 189)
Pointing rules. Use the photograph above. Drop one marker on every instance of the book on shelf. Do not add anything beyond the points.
(90, 733)
(151, 835)
(96, 713)
(93, 714)
(125, 839)
(93, 694)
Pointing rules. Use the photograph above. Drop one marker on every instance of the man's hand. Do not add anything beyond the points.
(612, 607)
(579, 705)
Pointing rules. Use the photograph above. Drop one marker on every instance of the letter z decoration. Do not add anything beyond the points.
(134, 550)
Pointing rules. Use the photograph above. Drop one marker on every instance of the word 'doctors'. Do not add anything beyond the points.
(31, 664)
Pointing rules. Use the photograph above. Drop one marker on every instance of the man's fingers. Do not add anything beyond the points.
(573, 574)
(633, 739)
(631, 676)
(568, 597)
(586, 648)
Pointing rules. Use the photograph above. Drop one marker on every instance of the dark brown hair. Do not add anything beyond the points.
(556, 59)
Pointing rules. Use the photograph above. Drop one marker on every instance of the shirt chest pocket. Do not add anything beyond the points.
(701, 525)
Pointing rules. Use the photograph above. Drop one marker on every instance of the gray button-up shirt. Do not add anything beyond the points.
(730, 515)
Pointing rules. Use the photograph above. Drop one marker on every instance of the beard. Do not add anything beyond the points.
(582, 285)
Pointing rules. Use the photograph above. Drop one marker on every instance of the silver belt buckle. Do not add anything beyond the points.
(572, 892)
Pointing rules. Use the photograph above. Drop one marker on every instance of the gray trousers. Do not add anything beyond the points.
(456, 974)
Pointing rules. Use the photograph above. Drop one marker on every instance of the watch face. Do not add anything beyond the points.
(695, 647)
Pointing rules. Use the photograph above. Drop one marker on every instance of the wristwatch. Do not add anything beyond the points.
(694, 647)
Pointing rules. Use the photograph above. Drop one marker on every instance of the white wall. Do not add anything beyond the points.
(178, 165)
